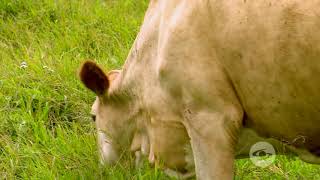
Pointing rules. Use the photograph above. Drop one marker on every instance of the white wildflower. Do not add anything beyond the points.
(23, 65)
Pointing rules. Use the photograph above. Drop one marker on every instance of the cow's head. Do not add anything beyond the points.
(113, 111)
(120, 124)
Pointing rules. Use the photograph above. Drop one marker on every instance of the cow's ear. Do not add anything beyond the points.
(113, 74)
(93, 77)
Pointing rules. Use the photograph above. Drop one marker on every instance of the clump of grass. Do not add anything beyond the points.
(45, 132)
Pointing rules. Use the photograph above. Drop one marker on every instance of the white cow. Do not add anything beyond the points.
(206, 65)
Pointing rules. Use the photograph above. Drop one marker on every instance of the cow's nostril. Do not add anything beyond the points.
(93, 117)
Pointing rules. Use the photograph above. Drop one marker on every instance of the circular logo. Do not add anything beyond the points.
(262, 154)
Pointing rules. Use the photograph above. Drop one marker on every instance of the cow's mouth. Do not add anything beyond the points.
(108, 154)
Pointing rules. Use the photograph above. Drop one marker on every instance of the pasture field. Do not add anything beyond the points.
(45, 127)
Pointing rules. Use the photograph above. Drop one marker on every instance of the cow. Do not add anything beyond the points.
(216, 67)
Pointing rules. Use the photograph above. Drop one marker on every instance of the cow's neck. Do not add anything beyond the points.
(139, 68)
(135, 74)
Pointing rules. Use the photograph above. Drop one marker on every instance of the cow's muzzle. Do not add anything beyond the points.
(108, 154)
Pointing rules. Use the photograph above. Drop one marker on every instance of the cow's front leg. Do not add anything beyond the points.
(213, 138)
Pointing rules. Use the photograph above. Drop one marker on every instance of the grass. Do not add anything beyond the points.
(45, 130)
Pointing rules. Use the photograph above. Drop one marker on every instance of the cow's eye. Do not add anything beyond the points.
(93, 117)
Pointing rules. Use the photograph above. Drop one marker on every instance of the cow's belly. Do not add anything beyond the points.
(284, 106)
(282, 101)
(272, 56)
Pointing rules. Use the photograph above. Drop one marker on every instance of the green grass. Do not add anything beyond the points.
(45, 130)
